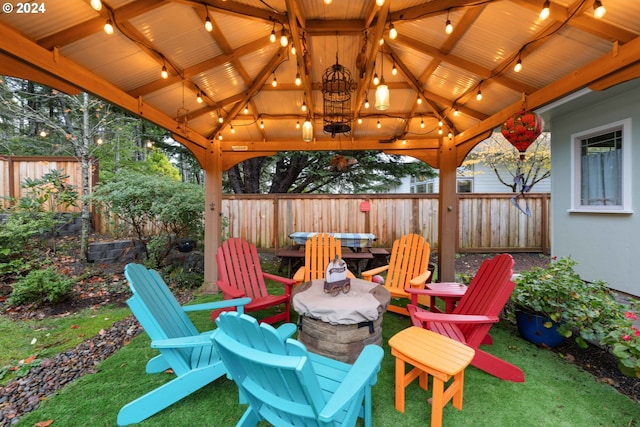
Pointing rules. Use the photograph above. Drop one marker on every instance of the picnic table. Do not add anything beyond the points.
(357, 248)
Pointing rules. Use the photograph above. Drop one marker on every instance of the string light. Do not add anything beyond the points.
(284, 40)
(164, 73)
(207, 24)
(380, 3)
(232, 129)
(272, 36)
(298, 79)
(220, 137)
(293, 48)
(108, 27)
(393, 33)
(544, 13)
(419, 101)
(96, 5)
(440, 123)
(448, 27)
(298, 124)
(518, 66)
(598, 9)
(274, 82)
(440, 131)
(366, 103)
(378, 125)
(359, 120)
(246, 109)
(220, 119)
(456, 113)
(450, 135)
(376, 79)
(199, 98)
(327, 1)
(479, 95)
(394, 70)
(261, 124)
(422, 123)
(303, 107)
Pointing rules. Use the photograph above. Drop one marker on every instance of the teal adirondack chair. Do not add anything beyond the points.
(187, 352)
(286, 385)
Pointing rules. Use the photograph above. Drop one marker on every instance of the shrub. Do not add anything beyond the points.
(41, 286)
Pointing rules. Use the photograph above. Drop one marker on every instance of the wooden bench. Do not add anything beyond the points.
(292, 256)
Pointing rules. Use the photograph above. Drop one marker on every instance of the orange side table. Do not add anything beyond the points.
(430, 354)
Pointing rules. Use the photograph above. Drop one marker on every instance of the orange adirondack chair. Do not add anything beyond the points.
(318, 252)
(241, 275)
(408, 267)
(474, 315)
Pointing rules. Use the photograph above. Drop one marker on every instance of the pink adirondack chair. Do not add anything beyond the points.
(474, 315)
(241, 275)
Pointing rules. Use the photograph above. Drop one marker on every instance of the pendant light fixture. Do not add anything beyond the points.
(544, 13)
(307, 130)
(382, 90)
(598, 9)
(108, 27)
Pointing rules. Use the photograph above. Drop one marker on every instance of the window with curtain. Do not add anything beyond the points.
(601, 158)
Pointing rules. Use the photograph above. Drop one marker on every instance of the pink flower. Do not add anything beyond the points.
(630, 315)
(626, 337)
(637, 333)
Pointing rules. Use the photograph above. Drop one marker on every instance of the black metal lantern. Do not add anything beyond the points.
(337, 85)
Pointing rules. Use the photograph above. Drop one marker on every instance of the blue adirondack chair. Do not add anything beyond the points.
(187, 352)
(286, 385)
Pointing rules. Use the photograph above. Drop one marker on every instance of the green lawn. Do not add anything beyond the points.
(555, 392)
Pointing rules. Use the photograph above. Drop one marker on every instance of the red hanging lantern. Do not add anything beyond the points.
(522, 129)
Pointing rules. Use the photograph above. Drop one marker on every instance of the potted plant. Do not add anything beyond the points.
(586, 310)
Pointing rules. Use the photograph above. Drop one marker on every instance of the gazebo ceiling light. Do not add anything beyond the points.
(337, 85)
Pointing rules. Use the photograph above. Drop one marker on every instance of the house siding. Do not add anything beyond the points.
(605, 246)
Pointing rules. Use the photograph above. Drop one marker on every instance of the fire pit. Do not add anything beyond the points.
(339, 327)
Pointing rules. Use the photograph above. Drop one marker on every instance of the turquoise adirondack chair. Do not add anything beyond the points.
(286, 385)
(187, 352)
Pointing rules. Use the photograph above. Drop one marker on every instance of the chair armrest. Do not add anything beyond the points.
(286, 330)
(368, 275)
(419, 281)
(288, 283)
(429, 316)
(202, 340)
(362, 374)
(215, 305)
(299, 276)
(229, 291)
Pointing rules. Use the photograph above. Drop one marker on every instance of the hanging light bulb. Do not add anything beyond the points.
(272, 36)
(164, 73)
(207, 24)
(359, 120)
(298, 79)
(598, 9)
(293, 48)
(274, 82)
(381, 41)
(393, 33)
(544, 13)
(440, 123)
(380, 3)
(232, 129)
(376, 79)
(479, 95)
(378, 125)
(448, 28)
(327, 1)
(450, 135)
(108, 27)
(298, 124)
(456, 113)
(246, 109)
(261, 124)
(366, 103)
(96, 5)
(422, 123)
(220, 119)
(419, 101)
(220, 137)
(394, 70)
(518, 66)
(440, 131)
(303, 107)
(307, 130)
(199, 98)
(284, 40)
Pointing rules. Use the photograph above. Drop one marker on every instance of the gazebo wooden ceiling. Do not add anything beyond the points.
(62, 44)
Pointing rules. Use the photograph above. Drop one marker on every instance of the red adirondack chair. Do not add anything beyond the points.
(241, 275)
(474, 315)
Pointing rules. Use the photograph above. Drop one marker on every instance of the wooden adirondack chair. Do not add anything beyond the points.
(318, 252)
(188, 353)
(286, 385)
(408, 267)
(476, 312)
(241, 275)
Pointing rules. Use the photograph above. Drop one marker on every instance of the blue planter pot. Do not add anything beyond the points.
(531, 328)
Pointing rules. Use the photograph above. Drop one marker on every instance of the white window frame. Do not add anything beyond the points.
(576, 138)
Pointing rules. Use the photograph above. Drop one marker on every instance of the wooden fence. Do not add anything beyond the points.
(486, 222)
(15, 169)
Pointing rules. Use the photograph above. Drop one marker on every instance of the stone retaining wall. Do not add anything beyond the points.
(115, 252)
